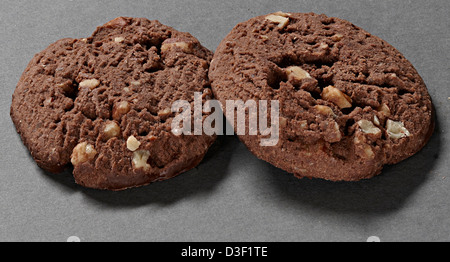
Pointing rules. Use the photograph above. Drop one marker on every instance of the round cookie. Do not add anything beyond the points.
(103, 104)
(350, 103)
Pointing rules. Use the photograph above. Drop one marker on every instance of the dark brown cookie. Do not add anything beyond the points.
(103, 104)
(350, 103)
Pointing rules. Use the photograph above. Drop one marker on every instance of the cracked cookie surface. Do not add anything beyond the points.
(103, 104)
(350, 103)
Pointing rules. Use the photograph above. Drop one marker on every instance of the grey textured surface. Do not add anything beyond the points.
(231, 196)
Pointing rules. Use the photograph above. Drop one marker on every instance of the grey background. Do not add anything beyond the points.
(231, 196)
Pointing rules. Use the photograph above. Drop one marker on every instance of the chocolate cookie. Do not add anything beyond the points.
(103, 104)
(350, 103)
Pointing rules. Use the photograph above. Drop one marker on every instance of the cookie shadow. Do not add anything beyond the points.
(196, 182)
(385, 193)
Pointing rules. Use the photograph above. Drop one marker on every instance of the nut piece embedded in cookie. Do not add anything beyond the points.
(135, 83)
(117, 22)
(66, 86)
(133, 144)
(140, 159)
(324, 46)
(384, 109)
(119, 39)
(368, 127)
(376, 120)
(165, 113)
(337, 97)
(369, 152)
(82, 153)
(363, 149)
(396, 129)
(297, 73)
(283, 14)
(178, 43)
(120, 109)
(89, 83)
(337, 37)
(335, 134)
(281, 18)
(111, 130)
(325, 110)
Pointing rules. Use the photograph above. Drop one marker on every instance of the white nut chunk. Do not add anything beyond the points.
(111, 130)
(282, 19)
(120, 109)
(48, 101)
(82, 153)
(325, 110)
(185, 47)
(119, 39)
(297, 73)
(337, 97)
(165, 112)
(368, 127)
(324, 46)
(303, 124)
(337, 132)
(337, 37)
(89, 83)
(376, 120)
(135, 83)
(283, 14)
(133, 144)
(369, 152)
(67, 86)
(140, 159)
(396, 129)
